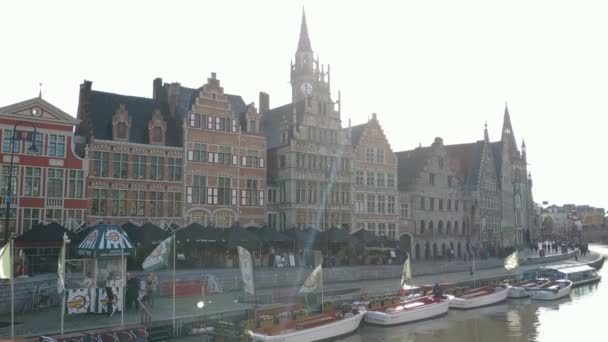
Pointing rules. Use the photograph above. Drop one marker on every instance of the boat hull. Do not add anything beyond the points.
(429, 311)
(547, 294)
(499, 296)
(332, 330)
(517, 292)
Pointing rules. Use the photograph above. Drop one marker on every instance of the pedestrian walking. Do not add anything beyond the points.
(132, 292)
(152, 286)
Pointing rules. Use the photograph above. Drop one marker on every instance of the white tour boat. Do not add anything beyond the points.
(409, 311)
(518, 290)
(315, 328)
(482, 296)
(552, 290)
(579, 274)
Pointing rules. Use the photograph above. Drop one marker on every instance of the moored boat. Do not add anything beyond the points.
(518, 290)
(409, 311)
(552, 290)
(482, 296)
(313, 328)
(578, 273)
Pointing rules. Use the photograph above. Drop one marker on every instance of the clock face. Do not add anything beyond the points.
(306, 88)
(36, 111)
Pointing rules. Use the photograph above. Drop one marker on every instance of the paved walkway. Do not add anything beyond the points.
(48, 322)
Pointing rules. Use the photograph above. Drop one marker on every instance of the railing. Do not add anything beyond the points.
(56, 202)
(146, 317)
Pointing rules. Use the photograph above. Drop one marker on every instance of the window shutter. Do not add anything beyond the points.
(190, 155)
(192, 120)
(217, 123)
(210, 195)
(214, 195)
(243, 197)
(216, 158)
(261, 198)
(234, 195)
(243, 161)
(233, 126)
(210, 122)
(189, 194)
(262, 163)
(210, 157)
(235, 159)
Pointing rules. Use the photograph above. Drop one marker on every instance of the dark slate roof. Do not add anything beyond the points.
(271, 121)
(468, 157)
(356, 132)
(104, 106)
(409, 165)
(237, 105)
(497, 154)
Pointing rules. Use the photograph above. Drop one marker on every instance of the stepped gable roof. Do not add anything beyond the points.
(410, 164)
(187, 96)
(466, 160)
(272, 119)
(104, 105)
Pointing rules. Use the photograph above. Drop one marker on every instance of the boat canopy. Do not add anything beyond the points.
(577, 269)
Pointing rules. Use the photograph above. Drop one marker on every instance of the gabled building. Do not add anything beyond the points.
(310, 155)
(134, 147)
(375, 194)
(48, 182)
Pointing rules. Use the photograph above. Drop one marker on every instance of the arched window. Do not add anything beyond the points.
(440, 227)
(223, 219)
(448, 228)
(157, 134)
(455, 227)
(431, 227)
(121, 130)
(422, 228)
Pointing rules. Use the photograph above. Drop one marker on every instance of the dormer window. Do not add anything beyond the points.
(121, 123)
(157, 128)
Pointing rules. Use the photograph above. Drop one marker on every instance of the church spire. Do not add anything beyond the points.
(304, 42)
(506, 124)
(486, 136)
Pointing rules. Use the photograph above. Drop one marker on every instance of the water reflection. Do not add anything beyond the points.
(571, 318)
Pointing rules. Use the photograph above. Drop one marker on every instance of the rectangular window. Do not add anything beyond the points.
(138, 204)
(211, 195)
(380, 156)
(197, 194)
(101, 164)
(7, 140)
(431, 204)
(100, 202)
(390, 180)
(74, 218)
(54, 183)
(75, 184)
(431, 178)
(12, 221)
(449, 205)
(198, 120)
(272, 221)
(404, 209)
(371, 226)
(300, 192)
(391, 204)
(440, 204)
(56, 146)
(31, 217)
(359, 199)
(5, 178)
(370, 178)
(31, 186)
(381, 204)
(54, 215)
(119, 202)
(422, 206)
(120, 165)
(157, 165)
(381, 229)
(224, 155)
(380, 179)
(252, 196)
(224, 190)
(371, 204)
(392, 231)
(138, 169)
(39, 139)
(359, 178)
(209, 122)
(175, 169)
(156, 204)
(370, 155)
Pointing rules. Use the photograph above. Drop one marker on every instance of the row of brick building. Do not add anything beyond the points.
(202, 155)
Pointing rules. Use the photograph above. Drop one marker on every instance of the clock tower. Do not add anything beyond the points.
(303, 71)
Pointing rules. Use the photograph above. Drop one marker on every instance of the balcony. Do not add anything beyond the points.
(54, 202)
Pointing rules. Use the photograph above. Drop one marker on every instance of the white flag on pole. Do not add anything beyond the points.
(61, 265)
(6, 262)
(406, 274)
(159, 258)
(246, 265)
(313, 281)
(512, 261)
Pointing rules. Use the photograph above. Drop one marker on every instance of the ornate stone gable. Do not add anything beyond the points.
(211, 99)
(157, 128)
(121, 124)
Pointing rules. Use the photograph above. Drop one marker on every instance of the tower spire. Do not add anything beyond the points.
(304, 42)
(486, 136)
(506, 124)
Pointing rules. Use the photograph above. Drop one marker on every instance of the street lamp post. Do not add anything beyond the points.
(9, 199)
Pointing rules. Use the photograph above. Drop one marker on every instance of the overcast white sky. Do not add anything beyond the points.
(428, 68)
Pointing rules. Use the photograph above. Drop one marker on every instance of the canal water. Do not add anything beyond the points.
(581, 317)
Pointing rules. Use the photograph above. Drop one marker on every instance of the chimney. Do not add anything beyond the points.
(157, 87)
(264, 102)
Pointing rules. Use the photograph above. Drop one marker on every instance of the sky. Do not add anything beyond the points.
(427, 68)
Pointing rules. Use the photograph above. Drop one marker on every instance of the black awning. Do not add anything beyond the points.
(44, 235)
